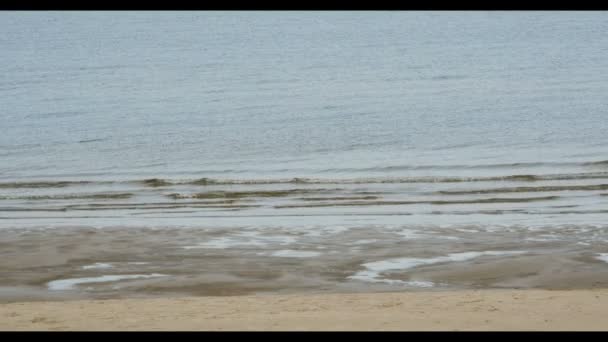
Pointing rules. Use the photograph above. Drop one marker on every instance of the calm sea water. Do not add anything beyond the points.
(446, 110)
(417, 99)
(275, 151)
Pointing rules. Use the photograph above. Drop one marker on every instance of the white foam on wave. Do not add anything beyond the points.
(68, 284)
(245, 239)
(288, 253)
(317, 231)
(602, 256)
(467, 230)
(544, 238)
(410, 234)
(364, 241)
(97, 265)
(374, 269)
(539, 239)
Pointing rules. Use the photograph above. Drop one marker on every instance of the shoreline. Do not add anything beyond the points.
(527, 309)
(121, 262)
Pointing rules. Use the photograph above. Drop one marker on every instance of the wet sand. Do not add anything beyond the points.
(91, 264)
(428, 311)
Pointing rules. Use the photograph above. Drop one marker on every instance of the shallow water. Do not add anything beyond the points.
(450, 122)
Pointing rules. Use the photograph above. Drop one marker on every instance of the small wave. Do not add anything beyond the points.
(155, 182)
(103, 67)
(523, 178)
(580, 212)
(447, 77)
(65, 114)
(453, 146)
(100, 205)
(158, 182)
(601, 162)
(209, 181)
(338, 198)
(574, 176)
(527, 189)
(379, 203)
(130, 206)
(91, 140)
(19, 146)
(241, 194)
(520, 211)
(497, 200)
(61, 184)
(66, 197)
(428, 179)
(466, 166)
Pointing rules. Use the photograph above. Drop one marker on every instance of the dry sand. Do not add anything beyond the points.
(451, 310)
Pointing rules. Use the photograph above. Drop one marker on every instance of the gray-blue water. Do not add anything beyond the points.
(397, 106)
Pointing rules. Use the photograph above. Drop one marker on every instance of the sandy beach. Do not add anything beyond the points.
(334, 171)
(538, 310)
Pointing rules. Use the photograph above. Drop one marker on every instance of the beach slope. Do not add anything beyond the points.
(453, 310)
